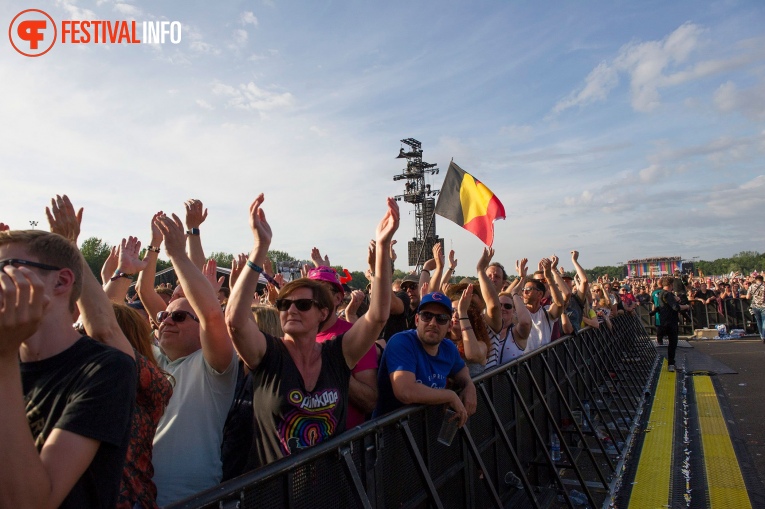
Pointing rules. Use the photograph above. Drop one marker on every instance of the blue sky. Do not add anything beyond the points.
(621, 129)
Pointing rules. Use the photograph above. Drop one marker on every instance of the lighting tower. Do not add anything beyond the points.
(418, 193)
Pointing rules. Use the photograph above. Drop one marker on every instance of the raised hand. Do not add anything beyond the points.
(63, 219)
(371, 254)
(452, 260)
(485, 259)
(574, 255)
(4, 227)
(237, 265)
(156, 234)
(173, 233)
(317, 260)
(268, 267)
(438, 254)
(554, 261)
(110, 264)
(464, 302)
(389, 223)
(195, 213)
(210, 270)
(129, 256)
(261, 230)
(521, 267)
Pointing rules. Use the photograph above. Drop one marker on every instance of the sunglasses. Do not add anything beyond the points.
(26, 263)
(300, 304)
(507, 305)
(529, 289)
(441, 318)
(177, 316)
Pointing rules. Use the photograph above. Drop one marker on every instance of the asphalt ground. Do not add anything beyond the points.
(743, 393)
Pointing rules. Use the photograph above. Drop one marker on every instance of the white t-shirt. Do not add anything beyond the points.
(186, 454)
(541, 329)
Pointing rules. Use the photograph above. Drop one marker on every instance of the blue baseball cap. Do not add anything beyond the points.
(436, 298)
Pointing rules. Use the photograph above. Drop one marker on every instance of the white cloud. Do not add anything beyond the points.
(253, 98)
(74, 11)
(598, 84)
(196, 41)
(248, 18)
(204, 104)
(127, 9)
(650, 67)
(239, 39)
(322, 133)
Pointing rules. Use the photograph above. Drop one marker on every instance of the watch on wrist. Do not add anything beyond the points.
(192, 231)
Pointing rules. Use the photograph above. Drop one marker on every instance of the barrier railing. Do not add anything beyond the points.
(588, 390)
(734, 313)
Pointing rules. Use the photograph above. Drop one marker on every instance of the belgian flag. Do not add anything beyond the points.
(466, 201)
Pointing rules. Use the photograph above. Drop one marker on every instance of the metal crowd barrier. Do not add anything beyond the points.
(502, 457)
(734, 313)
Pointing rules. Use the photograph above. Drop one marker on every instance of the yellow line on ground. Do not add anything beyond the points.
(725, 483)
(653, 477)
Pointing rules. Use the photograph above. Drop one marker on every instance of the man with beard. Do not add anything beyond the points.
(417, 363)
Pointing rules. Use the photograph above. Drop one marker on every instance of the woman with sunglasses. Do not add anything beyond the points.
(510, 341)
(300, 385)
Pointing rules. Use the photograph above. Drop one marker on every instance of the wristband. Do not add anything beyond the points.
(118, 274)
(192, 231)
(259, 270)
(452, 268)
(466, 318)
(425, 270)
(153, 249)
(465, 329)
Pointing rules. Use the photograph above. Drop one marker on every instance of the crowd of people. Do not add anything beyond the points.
(116, 400)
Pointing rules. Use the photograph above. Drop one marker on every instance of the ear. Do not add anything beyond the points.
(64, 282)
(324, 314)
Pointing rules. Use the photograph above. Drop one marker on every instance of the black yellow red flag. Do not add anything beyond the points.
(466, 201)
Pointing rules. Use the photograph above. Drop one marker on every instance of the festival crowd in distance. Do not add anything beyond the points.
(138, 398)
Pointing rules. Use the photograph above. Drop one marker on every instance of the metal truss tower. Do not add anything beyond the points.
(418, 193)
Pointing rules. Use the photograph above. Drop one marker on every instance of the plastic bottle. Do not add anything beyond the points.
(577, 497)
(586, 408)
(554, 447)
(513, 480)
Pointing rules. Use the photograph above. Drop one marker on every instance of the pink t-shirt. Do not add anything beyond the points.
(356, 416)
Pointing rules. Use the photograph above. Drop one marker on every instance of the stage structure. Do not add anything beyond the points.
(419, 194)
(654, 267)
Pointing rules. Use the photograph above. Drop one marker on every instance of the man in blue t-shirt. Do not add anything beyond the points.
(417, 363)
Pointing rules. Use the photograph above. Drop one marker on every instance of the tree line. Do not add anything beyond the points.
(96, 251)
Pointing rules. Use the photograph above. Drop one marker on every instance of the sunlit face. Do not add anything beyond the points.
(508, 315)
(495, 275)
(431, 333)
(455, 322)
(411, 291)
(531, 295)
(296, 322)
(179, 339)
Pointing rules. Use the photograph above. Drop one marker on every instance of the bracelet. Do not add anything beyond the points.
(118, 274)
(425, 270)
(465, 329)
(192, 231)
(452, 268)
(153, 249)
(466, 318)
(253, 266)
